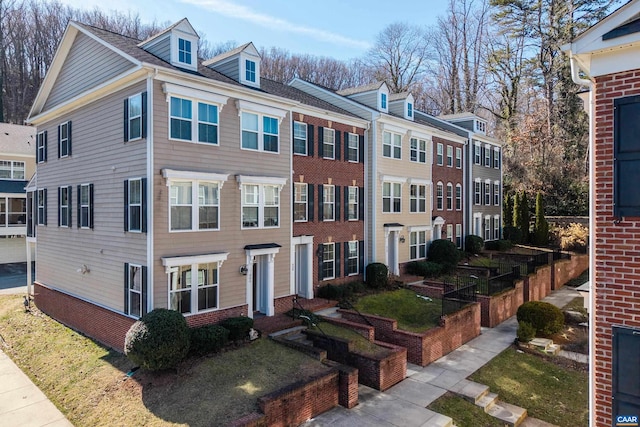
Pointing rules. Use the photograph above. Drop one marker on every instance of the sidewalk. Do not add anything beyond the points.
(404, 405)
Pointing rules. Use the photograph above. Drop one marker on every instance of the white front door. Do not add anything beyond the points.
(302, 271)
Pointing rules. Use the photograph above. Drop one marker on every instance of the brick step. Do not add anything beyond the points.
(511, 415)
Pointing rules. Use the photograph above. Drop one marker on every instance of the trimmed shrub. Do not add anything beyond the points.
(159, 340)
(208, 339)
(356, 287)
(546, 318)
(473, 244)
(424, 268)
(445, 253)
(575, 237)
(377, 275)
(498, 245)
(526, 332)
(513, 234)
(238, 327)
(330, 291)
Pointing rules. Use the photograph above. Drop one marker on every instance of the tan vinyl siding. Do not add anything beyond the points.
(227, 158)
(88, 65)
(29, 161)
(99, 157)
(162, 49)
(230, 68)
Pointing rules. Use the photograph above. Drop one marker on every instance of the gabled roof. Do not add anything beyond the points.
(361, 89)
(17, 139)
(183, 23)
(398, 96)
(460, 116)
(427, 119)
(229, 54)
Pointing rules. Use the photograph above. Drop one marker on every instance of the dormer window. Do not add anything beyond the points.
(250, 71)
(383, 101)
(409, 110)
(481, 126)
(184, 51)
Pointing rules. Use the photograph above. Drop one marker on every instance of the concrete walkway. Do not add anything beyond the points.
(404, 405)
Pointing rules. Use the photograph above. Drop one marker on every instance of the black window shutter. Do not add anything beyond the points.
(126, 288)
(336, 198)
(126, 205)
(91, 203)
(46, 142)
(79, 212)
(59, 206)
(361, 149)
(338, 148)
(45, 205)
(320, 202)
(320, 141)
(361, 256)
(59, 138)
(144, 307)
(336, 259)
(310, 201)
(69, 138)
(320, 253)
(346, 146)
(310, 140)
(361, 204)
(482, 155)
(69, 204)
(346, 203)
(126, 119)
(346, 258)
(626, 153)
(144, 205)
(144, 114)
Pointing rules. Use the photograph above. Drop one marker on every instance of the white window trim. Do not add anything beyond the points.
(244, 56)
(439, 184)
(252, 107)
(326, 132)
(175, 37)
(130, 118)
(477, 190)
(261, 203)
(41, 145)
(418, 150)
(450, 150)
(268, 180)
(193, 286)
(129, 204)
(178, 261)
(458, 157)
(333, 261)
(357, 218)
(12, 170)
(487, 155)
(496, 157)
(306, 202)
(260, 132)
(458, 198)
(392, 145)
(60, 205)
(440, 153)
(392, 197)
(349, 135)
(357, 257)
(66, 140)
(417, 199)
(477, 157)
(414, 228)
(88, 206)
(453, 196)
(418, 244)
(325, 194)
(130, 290)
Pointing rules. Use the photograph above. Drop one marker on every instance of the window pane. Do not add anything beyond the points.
(299, 138)
(271, 143)
(249, 140)
(250, 121)
(250, 216)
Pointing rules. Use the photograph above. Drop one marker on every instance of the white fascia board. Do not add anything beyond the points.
(484, 139)
(319, 113)
(387, 127)
(189, 92)
(394, 179)
(419, 181)
(119, 82)
(194, 259)
(172, 174)
(243, 105)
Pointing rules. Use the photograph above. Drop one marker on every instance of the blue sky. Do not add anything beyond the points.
(340, 29)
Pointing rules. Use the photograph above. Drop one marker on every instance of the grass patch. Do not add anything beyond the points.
(463, 412)
(358, 342)
(580, 280)
(88, 382)
(483, 262)
(551, 393)
(576, 304)
(413, 314)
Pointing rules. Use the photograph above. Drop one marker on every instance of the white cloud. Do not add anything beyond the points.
(227, 8)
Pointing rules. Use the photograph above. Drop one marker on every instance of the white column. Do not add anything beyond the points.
(29, 278)
(310, 271)
(249, 285)
(396, 262)
(270, 284)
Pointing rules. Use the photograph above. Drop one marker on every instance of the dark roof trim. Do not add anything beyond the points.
(393, 224)
(13, 187)
(623, 30)
(262, 246)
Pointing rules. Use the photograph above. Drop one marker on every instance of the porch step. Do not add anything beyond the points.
(541, 343)
(291, 331)
(509, 414)
(487, 401)
(471, 391)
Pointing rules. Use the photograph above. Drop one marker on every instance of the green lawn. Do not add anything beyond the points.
(358, 342)
(557, 395)
(580, 280)
(413, 313)
(463, 412)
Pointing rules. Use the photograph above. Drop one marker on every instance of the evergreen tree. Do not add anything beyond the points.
(525, 217)
(507, 215)
(541, 233)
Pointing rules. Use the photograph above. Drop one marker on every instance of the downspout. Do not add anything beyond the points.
(577, 79)
(150, 190)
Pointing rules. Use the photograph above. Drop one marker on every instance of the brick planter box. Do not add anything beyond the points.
(498, 308)
(423, 348)
(567, 269)
(375, 371)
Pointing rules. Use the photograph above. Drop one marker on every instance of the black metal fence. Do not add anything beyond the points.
(457, 297)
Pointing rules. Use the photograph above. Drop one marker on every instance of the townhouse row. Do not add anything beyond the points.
(168, 181)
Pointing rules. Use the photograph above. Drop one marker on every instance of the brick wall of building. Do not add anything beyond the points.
(446, 174)
(616, 282)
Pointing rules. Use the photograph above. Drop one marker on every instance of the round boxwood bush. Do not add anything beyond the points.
(526, 332)
(546, 318)
(377, 275)
(445, 253)
(498, 245)
(473, 244)
(331, 292)
(208, 339)
(424, 268)
(159, 340)
(513, 234)
(238, 327)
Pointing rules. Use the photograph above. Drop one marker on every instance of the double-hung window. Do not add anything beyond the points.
(250, 70)
(391, 197)
(300, 202)
(135, 204)
(487, 228)
(353, 150)
(194, 205)
(184, 51)
(439, 196)
(134, 110)
(11, 169)
(85, 206)
(458, 157)
(477, 187)
(418, 151)
(328, 261)
(352, 258)
(449, 196)
(207, 123)
(260, 204)
(418, 244)
(193, 114)
(300, 138)
(476, 153)
(135, 288)
(487, 156)
(259, 132)
(418, 198)
(383, 101)
(42, 206)
(487, 194)
(194, 282)
(353, 204)
(496, 194)
(64, 139)
(459, 235)
(329, 143)
(392, 145)
(449, 156)
(64, 206)
(409, 110)
(439, 154)
(496, 158)
(496, 227)
(450, 232)
(329, 203)
(41, 147)
(458, 197)
(181, 118)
